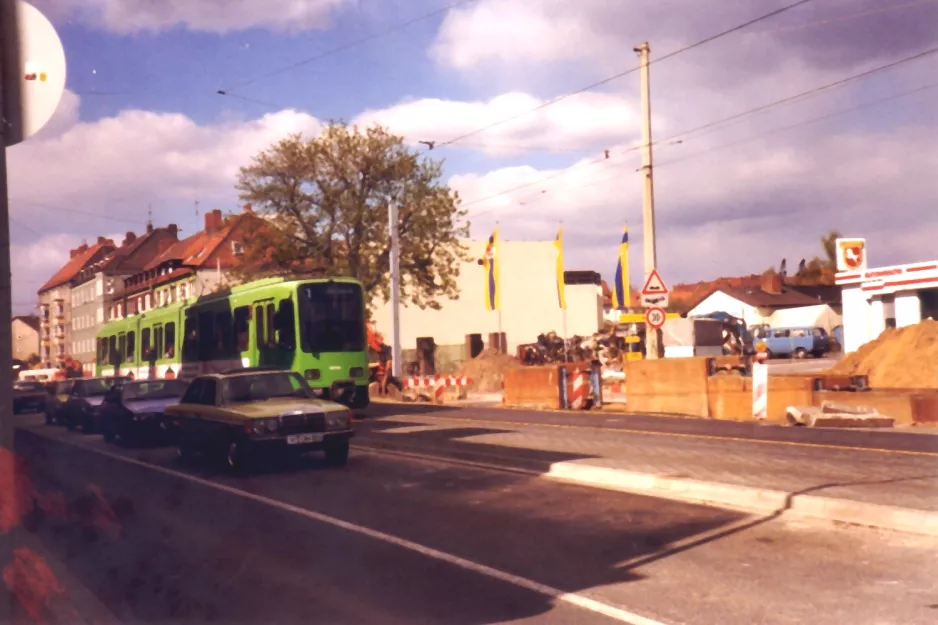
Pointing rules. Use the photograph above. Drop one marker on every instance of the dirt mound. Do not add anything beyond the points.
(487, 370)
(898, 358)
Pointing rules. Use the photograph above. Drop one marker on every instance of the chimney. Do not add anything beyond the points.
(173, 230)
(101, 240)
(73, 253)
(129, 238)
(248, 208)
(771, 283)
(149, 227)
(213, 221)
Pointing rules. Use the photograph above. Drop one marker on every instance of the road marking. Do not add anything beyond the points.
(735, 439)
(579, 600)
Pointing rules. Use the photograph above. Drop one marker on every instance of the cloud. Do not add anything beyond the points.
(518, 33)
(82, 179)
(213, 16)
(727, 215)
(581, 121)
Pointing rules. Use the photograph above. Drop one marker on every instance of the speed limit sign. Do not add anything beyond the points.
(655, 317)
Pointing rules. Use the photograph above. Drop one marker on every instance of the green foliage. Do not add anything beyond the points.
(325, 201)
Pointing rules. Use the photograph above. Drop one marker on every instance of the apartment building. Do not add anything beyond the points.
(55, 301)
(25, 332)
(190, 268)
(99, 284)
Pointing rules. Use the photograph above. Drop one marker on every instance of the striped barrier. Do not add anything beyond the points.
(578, 391)
(760, 386)
(437, 383)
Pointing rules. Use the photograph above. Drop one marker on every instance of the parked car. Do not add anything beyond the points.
(59, 392)
(794, 342)
(80, 411)
(134, 411)
(29, 397)
(250, 414)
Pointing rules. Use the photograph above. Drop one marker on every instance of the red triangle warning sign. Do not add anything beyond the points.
(654, 285)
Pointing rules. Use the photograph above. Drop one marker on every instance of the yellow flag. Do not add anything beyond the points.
(561, 294)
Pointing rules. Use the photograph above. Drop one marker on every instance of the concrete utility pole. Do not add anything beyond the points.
(652, 337)
(8, 64)
(396, 364)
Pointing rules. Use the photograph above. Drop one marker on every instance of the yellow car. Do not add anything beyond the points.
(251, 413)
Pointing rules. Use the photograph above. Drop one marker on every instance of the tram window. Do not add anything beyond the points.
(261, 337)
(170, 347)
(223, 338)
(102, 350)
(121, 347)
(271, 326)
(131, 346)
(145, 349)
(206, 336)
(112, 350)
(242, 317)
(158, 341)
(286, 323)
(190, 339)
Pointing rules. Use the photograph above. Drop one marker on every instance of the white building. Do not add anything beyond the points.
(874, 299)
(528, 301)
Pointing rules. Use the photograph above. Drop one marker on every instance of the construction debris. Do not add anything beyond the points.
(837, 415)
(903, 358)
(487, 370)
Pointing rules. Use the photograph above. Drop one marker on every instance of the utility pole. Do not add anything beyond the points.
(396, 364)
(652, 337)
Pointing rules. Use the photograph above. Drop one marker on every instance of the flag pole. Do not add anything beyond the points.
(563, 310)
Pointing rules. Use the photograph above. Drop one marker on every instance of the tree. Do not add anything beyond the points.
(33, 361)
(325, 201)
(819, 270)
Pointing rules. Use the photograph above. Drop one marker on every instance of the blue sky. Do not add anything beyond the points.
(142, 125)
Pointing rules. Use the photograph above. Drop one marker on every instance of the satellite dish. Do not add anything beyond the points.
(33, 75)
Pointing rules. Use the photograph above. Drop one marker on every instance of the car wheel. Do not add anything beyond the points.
(239, 460)
(109, 434)
(337, 454)
(801, 353)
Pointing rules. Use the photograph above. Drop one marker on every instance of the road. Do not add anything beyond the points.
(389, 539)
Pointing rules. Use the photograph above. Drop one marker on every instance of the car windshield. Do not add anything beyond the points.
(263, 386)
(28, 386)
(154, 389)
(332, 317)
(95, 386)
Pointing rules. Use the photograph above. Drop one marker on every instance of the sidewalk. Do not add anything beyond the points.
(894, 489)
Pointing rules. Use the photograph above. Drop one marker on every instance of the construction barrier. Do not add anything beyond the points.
(580, 386)
(668, 385)
(437, 384)
(535, 387)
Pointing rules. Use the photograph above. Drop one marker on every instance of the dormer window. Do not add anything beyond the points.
(237, 248)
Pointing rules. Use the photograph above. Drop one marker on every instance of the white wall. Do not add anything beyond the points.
(908, 308)
(857, 312)
(721, 302)
(528, 301)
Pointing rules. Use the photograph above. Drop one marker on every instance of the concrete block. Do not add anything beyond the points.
(833, 407)
(816, 417)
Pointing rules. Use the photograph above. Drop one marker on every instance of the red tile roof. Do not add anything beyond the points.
(78, 261)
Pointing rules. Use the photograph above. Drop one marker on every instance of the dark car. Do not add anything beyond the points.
(133, 411)
(58, 394)
(29, 397)
(84, 400)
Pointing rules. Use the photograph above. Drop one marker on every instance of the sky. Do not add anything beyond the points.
(142, 130)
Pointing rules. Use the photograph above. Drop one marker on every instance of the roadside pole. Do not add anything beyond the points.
(9, 62)
(396, 364)
(652, 336)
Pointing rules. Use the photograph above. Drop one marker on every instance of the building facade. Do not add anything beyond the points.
(98, 285)
(25, 332)
(55, 302)
(195, 266)
(878, 298)
(529, 302)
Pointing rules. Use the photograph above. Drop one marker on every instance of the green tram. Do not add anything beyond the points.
(315, 327)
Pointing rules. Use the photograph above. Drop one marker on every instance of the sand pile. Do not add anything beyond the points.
(898, 358)
(487, 370)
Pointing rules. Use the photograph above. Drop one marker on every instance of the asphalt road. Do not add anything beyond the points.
(394, 540)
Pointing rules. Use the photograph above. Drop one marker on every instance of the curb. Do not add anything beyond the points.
(740, 498)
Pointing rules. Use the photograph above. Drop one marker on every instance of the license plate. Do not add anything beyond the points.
(301, 439)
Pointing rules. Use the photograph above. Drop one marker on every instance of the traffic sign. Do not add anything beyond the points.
(33, 87)
(655, 317)
(655, 293)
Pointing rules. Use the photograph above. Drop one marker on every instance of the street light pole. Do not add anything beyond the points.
(396, 364)
(652, 336)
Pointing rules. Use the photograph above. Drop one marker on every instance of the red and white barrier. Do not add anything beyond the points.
(760, 388)
(438, 383)
(578, 390)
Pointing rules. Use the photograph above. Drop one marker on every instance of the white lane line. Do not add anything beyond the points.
(582, 601)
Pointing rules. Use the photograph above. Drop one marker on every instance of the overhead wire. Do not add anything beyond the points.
(609, 79)
(345, 46)
(846, 18)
